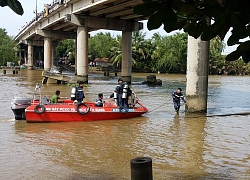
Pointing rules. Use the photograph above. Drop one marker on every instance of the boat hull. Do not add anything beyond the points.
(70, 112)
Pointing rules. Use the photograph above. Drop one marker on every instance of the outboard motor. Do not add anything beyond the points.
(73, 93)
(18, 106)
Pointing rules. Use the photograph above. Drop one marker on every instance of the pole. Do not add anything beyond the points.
(36, 9)
(141, 168)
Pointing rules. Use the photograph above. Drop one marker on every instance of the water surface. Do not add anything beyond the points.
(181, 147)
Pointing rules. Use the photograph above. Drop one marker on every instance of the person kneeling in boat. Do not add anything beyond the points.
(99, 102)
(56, 96)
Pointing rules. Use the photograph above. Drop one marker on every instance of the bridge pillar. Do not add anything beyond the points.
(53, 53)
(30, 54)
(197, 75)
(25, 57)
(126, 56)
(75, 57)
(47, 53)
(82, 54)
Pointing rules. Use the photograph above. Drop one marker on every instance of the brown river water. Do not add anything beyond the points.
(202, 147)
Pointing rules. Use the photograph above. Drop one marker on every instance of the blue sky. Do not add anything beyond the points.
(13, 22)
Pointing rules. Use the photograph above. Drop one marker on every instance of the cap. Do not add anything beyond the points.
(81, 82)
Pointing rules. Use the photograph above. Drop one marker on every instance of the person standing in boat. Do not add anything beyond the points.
(123, 91)
(177, 97)
(99, 101)
(56, 96)
(80, 93)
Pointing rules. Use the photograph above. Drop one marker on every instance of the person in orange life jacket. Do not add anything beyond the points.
(99, 102)
(80, 93)
(177, 97)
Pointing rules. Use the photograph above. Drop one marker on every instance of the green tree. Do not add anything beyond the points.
(116, 52)
(13, 4)
(171, 52)
(216, 59)
(100, 45)
(65, 46)
(193, 16)
(8, 48)
(141, 52)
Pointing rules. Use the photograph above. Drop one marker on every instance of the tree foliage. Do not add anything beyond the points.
(166, 54)
(65, 46)
(194, 17)
(100, 45)
(13, 4)
(8, 49)
(171, 52)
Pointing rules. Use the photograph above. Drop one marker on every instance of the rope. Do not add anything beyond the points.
(157, 107)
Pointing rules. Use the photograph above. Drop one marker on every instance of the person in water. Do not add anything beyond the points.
(56, 96)
(177, 97)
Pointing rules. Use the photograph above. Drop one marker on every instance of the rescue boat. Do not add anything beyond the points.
(70, 111)
(41, 110)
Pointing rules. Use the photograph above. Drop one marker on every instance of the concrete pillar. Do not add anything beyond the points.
(197, 75)
(20, 57)
(82, 54)
(53, 53)
(25, 58)
(30, 55)
(47, 53)
(126, 56)
(76, 57)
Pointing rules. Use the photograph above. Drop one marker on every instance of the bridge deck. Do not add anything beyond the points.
(59, 77)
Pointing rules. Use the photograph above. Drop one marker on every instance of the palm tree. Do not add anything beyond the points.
(172, 52)
(216, 59)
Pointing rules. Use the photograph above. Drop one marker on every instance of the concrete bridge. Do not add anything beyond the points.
(74, 19)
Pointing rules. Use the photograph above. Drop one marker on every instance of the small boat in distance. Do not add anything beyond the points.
(41, 110)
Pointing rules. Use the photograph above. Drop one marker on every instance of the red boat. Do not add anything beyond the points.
(68, 111)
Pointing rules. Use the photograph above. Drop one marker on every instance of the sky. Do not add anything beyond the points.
(13, 22)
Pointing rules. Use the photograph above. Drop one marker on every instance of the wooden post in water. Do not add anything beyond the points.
(141, 168)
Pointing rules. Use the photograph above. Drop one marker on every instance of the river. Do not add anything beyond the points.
(212, 146)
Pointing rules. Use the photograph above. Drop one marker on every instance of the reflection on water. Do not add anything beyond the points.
(182, 147)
